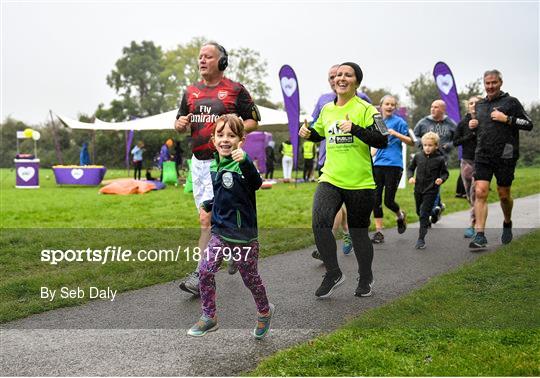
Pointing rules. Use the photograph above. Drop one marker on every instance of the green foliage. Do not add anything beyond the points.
(377, 94)
(137, 79)
(477, 321)
(422, 92)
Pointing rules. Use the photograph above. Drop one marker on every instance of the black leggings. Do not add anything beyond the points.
(359, 203)
(308, 168)
(137, 167)
(387, 179)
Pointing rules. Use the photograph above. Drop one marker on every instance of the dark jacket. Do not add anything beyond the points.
(234, 210)
(496, 139)
(428, 169)
(445, 129)
(466, 138)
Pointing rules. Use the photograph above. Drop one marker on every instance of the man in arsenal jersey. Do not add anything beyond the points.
(202, 104)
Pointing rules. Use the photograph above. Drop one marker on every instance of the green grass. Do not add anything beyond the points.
(78, 217)
(483, 319)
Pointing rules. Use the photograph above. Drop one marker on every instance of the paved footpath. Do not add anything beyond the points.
(143, 332)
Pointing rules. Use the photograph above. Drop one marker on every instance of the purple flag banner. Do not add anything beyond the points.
(448, 92)
(289, 87)
(129, 140)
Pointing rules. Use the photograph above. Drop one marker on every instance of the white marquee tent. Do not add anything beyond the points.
(165, 121)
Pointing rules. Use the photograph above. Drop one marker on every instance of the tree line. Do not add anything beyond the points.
(148, 81)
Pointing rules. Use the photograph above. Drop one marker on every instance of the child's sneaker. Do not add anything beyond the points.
(436, 214)
(203, 326)
(263, 323)
(420, 244)
(347, 244)
(402, 222)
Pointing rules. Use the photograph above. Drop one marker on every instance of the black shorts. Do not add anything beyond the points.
(503, 169)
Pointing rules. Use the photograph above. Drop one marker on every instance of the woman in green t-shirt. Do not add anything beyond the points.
(349, 127)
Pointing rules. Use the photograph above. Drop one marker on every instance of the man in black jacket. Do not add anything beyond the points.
(500, 117)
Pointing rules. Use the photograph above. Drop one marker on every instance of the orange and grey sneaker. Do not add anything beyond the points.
(263, 323)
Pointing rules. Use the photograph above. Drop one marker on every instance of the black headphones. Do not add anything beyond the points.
(224, 60)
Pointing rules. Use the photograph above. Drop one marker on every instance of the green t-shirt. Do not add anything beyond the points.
(348, 159)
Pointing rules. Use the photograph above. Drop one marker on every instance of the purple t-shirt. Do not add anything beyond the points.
(321, 102)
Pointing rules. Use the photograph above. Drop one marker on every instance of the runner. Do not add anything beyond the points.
(234, 226)
(388, 168)
(202, 103)
(500, 117)
(466, 138)
(348, 124)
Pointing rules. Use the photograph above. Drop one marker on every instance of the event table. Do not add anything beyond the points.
(90, 175)
(27, 173)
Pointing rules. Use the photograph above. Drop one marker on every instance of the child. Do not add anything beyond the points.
(234, 226)
(431, 172)
(388, 167)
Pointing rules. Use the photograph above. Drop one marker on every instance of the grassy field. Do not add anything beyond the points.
(477, 321)
(63, 218)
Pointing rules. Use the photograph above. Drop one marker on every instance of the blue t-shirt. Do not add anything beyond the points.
(392, 155)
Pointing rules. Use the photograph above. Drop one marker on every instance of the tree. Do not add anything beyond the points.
(247, 67)
(377, 94)
(422, 92)
(138, 79)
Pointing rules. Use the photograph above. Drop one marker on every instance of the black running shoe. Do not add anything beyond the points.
(330, 282)
(377, 238)
(316, 255)
(364, 288)
(402, 223)
(479, 242)
(436, 214)
(507, 235)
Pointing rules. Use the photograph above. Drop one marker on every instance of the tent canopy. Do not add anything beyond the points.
(165, 121)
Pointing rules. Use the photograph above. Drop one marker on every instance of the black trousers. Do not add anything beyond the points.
(424, 206)
(387, 179)
(308, 168)
(137, 168)
(359, 203)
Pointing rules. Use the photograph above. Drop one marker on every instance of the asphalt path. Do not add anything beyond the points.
(143, 332)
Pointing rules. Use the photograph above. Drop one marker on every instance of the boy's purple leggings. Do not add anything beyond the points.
(246, 255)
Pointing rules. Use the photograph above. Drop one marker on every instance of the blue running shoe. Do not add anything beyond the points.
(347, 244)
(479, 242)
(469, 232)
(420, 244)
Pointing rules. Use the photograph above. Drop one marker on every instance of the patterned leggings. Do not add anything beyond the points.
(247, 256)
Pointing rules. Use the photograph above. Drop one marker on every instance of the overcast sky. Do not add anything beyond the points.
(56, 54)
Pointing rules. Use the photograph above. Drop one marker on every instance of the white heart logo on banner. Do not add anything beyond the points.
(288, 85)
(26, 173)
(445, 83)
(77, 173)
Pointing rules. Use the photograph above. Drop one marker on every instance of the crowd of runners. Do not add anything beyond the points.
(360, 171)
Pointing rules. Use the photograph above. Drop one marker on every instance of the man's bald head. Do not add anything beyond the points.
(438, 109)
